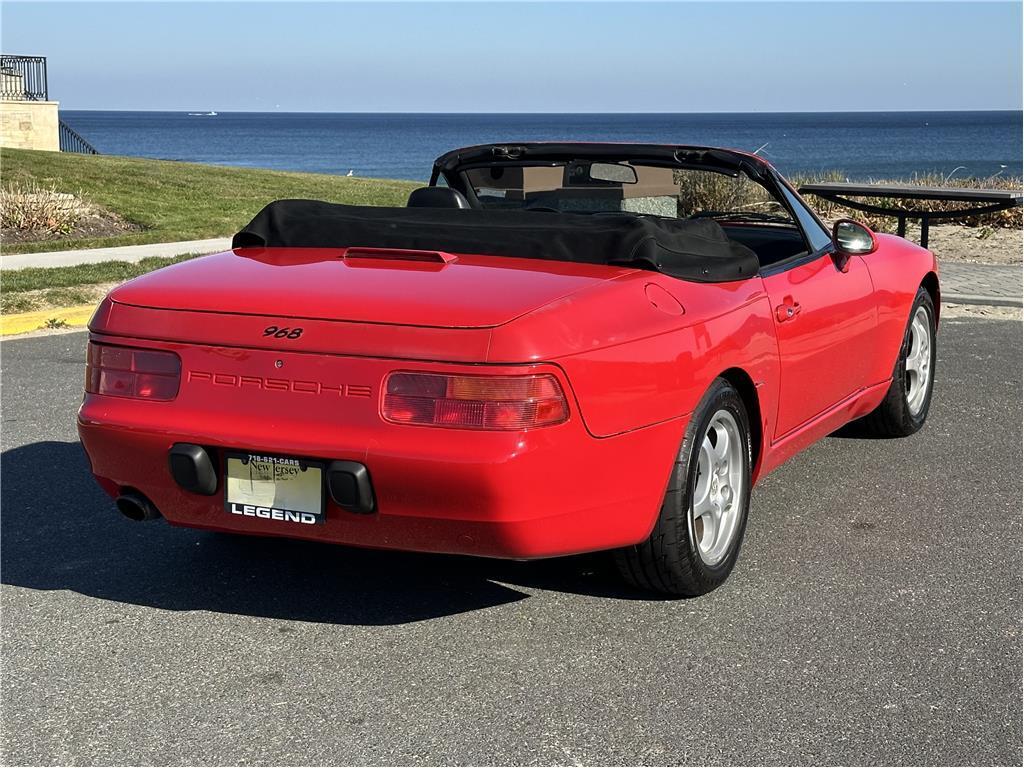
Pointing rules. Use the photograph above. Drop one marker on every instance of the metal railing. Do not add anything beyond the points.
(71, 141)
(23, 78)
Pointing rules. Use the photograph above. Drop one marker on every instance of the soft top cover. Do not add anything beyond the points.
(695, 250)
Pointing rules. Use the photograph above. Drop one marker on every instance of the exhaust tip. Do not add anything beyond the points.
(137, 507)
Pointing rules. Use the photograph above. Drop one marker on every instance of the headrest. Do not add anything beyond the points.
(437, 197)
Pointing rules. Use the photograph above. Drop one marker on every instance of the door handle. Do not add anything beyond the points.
(787, 310)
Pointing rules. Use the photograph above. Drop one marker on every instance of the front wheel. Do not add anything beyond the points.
(905, 407)
(696, 539)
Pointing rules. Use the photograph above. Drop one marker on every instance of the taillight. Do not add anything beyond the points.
(474, 402)
(147, 374)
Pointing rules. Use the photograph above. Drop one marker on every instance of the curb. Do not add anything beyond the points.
(34, 321)
(987, 301)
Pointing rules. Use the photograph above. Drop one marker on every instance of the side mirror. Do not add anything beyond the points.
(851, 238)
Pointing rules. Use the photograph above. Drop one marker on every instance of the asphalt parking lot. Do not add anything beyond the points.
(874, 617)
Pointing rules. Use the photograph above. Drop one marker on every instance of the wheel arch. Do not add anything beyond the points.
(744, 385)
(931, 284)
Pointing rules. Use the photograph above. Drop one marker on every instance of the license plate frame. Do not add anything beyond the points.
(307, 507)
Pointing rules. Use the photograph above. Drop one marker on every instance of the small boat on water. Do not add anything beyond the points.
(202, 114)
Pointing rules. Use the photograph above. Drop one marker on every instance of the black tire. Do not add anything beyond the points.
(669, 561)
(894, 417)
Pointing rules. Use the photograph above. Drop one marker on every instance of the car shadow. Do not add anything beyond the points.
(858, 430)
(58, 530)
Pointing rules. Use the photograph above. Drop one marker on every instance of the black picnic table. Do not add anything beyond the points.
(985, 200)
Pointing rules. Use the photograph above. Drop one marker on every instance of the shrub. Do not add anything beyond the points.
(699, 190)
(29, 207)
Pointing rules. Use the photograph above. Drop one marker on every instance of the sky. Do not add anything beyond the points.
(523, 57)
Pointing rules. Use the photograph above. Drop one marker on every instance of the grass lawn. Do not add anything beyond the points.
(35, 278)
(35, 288)
(175, 201)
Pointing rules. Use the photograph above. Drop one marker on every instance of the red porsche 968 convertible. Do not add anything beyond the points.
(553, 349)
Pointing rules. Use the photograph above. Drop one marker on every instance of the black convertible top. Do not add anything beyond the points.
(696, 250)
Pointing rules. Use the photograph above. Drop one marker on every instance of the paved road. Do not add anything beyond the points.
(875, 617)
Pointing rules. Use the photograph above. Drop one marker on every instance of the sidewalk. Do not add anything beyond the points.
(998, 286)
(132, 253)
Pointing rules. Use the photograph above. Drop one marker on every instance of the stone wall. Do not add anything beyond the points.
(29, 125)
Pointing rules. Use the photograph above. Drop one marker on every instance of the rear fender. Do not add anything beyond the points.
(645, 381)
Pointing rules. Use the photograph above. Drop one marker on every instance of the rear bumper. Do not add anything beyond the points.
(543, 493)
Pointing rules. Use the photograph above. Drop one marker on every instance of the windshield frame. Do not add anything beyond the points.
(728, 162)
(672, 155)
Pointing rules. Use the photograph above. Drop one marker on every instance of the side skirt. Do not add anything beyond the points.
(853, 407)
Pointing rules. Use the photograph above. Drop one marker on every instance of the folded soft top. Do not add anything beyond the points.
(695, 250)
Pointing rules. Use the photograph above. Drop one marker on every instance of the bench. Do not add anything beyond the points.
(985, 200)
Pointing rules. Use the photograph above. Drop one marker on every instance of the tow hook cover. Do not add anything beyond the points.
(192, 468)
(349, 483)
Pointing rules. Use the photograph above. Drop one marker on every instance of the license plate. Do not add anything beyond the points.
(274, 488)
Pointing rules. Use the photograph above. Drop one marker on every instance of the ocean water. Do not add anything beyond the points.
(861, 145)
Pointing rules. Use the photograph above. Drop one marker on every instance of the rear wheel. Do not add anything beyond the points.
(905, 407)
(696, 539)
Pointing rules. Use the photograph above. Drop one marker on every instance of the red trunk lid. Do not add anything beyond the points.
(401, 288)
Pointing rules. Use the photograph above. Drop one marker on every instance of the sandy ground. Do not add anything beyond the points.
(970, 245)
(974, 245)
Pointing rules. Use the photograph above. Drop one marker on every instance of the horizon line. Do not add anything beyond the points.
(585, 112)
